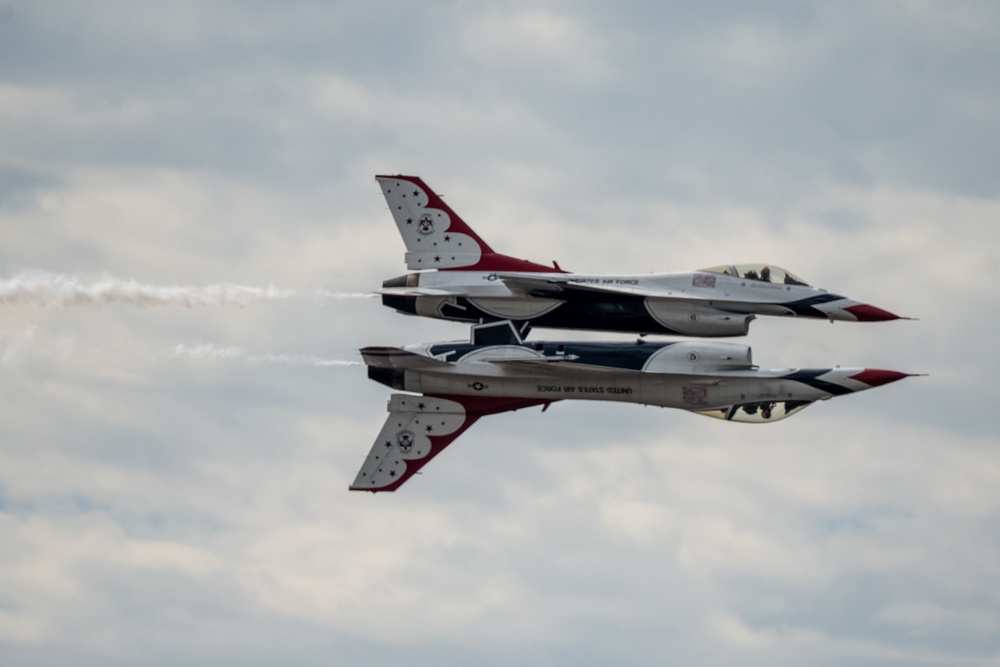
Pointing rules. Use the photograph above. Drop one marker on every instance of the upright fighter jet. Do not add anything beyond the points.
(454, 384)
(462, 278)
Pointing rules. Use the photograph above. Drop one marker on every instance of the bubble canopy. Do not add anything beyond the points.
(760, 412)
(768, 273)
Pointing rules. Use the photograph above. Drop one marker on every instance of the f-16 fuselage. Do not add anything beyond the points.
(720, 301)
(460, 382)
(472, 283)
(697, 376)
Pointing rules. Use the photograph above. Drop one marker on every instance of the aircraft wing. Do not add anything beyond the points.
(566, 289)
(556, 366)
(418, 429)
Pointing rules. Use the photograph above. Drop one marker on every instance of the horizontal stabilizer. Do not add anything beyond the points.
(395, 357)
(418, 291)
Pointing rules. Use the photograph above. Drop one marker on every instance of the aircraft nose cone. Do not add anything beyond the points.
(866, 313)
(876, 377)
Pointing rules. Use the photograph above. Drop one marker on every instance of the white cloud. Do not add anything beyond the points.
(538, 42)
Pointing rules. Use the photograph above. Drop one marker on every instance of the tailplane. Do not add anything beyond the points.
(436, 237)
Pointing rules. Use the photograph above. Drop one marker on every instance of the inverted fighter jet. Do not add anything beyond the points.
(454, 384)
(460, 277)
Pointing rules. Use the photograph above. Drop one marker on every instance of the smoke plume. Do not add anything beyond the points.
(47, 289)
(207, 351)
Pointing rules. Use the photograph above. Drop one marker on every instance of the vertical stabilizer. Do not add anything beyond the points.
(435, 236)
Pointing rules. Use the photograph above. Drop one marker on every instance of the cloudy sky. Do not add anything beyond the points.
(175, 448)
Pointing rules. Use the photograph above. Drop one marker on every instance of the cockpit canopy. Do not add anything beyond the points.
(768, 273)
(760, 412)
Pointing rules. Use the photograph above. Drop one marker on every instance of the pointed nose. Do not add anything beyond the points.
(876, 377)
(866, 313)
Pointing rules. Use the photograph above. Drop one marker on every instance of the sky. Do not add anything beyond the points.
(189, 226)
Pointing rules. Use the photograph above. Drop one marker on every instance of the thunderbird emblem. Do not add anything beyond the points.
(405, 440)
(425, 225)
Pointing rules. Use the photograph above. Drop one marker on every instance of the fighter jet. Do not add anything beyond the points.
(454, 384)
(462, 278)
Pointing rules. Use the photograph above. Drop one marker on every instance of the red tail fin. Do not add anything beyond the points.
(418, 429)
(436, 237)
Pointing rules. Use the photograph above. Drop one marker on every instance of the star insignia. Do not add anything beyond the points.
(409, 221)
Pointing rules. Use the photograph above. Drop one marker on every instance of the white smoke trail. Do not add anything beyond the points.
(27, 347)
(47, 289)
(207, 351)
(321, 294)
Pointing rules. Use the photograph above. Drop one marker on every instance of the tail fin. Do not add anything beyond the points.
(418, 429)
(436, 237)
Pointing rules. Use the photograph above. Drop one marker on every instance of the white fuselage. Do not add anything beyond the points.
(688, 302)
(698, 376)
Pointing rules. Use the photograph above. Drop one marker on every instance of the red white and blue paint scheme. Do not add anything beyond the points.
(460, 277)
(454, 384)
